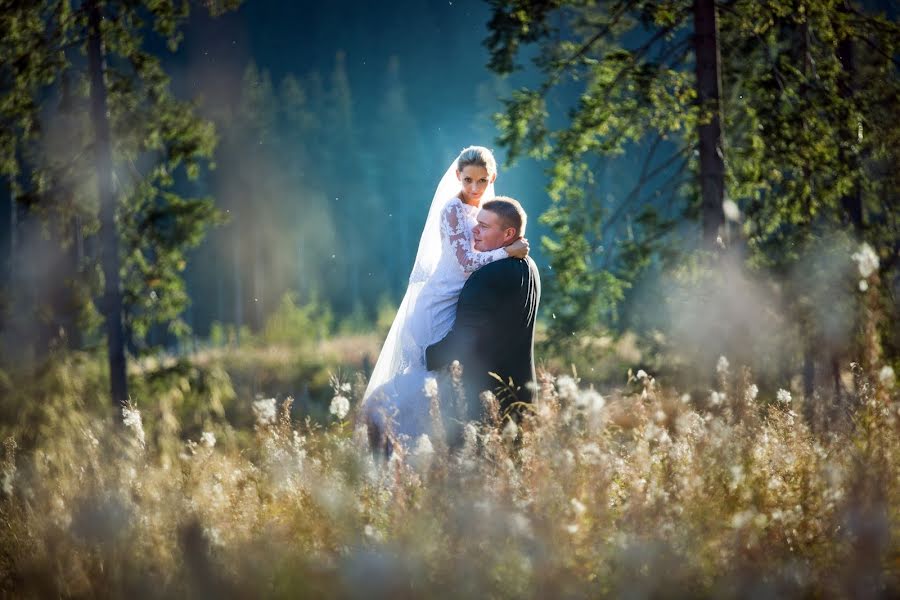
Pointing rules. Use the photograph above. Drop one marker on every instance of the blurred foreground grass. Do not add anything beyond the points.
(209, 492)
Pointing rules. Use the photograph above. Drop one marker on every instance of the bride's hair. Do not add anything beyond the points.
(478, 156)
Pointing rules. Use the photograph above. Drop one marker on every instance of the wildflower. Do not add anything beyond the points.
(131, 417)
(544, 411)
(751, 392)
(578, 506)
(886, 376)
(722, 366)
(423, 446)
(567, 387)
(490, 407)
(742, 518)
(716, 398)
(731, 211)
(372, 533)
(520, 524)
(6, 481)
(783, 396)
(431, 387)
(340, 406)
(361, 435)
(737, 476)
(214, 536)
(589, 453)
(685, 398)
(470, 435)
(863, 285)
(456, 371)
(591, 401)
(790, 417)
(346, 388)
(866, 260)
(9, 467)
(208, 439)
(264, 411)
(511, 431)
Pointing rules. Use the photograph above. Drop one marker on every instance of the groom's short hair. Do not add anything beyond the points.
(510, 212)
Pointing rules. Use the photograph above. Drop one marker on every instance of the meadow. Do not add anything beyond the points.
(639, 492)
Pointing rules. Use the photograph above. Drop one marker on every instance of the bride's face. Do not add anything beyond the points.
(474, 181)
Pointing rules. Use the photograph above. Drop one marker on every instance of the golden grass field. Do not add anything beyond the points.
(642, 492)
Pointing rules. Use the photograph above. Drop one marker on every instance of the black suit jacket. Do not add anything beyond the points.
(494, 331)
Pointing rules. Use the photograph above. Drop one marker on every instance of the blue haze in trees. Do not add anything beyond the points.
(335, 123)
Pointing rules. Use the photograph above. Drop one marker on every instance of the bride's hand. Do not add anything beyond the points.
(518, 249)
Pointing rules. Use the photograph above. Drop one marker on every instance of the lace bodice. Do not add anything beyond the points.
(457, 221)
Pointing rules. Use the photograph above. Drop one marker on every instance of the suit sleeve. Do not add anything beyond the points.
(473, 314)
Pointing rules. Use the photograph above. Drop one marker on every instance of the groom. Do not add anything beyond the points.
(495, 315)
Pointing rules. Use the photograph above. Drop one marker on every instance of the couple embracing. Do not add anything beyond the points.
(472, 298)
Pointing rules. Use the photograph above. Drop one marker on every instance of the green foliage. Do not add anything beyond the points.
(160, 145)
(626, 97)
(298, 324)
(806, 93)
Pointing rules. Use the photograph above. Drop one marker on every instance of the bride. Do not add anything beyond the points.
(396, 402)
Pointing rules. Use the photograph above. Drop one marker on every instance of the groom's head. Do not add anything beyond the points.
(501, 221)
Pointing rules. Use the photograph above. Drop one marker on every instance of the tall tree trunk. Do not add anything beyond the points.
(220, 295)
(112, 299)
(74, 259)
(853, 205)
(258, 283)
(809, 385)
(13, 235)
(836, 380)
(238, 287)
(709, 86)
(852, 201)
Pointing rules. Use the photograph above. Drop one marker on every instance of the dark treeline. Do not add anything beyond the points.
(763, 223)
(325, 185)
(721, 174)
(306, 176)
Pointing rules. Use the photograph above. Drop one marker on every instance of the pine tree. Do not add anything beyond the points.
(629, 73)
(142, 140)
(400, 165)
(806, 90)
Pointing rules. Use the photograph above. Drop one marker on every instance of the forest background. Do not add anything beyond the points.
(282, 177)
(208, 214)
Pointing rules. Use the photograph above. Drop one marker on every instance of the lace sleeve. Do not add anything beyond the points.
(458, 235)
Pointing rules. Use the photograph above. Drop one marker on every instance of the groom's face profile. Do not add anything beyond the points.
(490, 232)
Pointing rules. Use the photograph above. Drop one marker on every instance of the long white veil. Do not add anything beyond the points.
(391, 360)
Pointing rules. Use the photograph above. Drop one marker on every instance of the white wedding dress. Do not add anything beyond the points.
(396, 389)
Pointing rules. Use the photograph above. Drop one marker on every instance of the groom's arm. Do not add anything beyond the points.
(473, 314)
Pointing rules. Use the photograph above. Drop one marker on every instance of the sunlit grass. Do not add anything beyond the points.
(641, 493)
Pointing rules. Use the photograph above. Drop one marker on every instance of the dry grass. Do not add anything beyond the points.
(640, 494)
